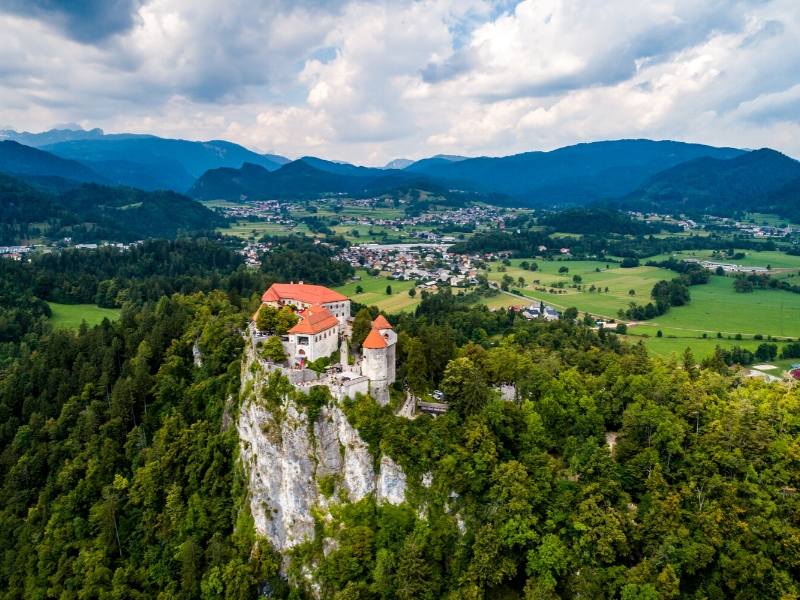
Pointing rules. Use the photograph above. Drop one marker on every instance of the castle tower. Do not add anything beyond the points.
(379, 353)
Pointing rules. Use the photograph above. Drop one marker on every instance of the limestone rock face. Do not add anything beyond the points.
(280, 470)
(286, 458)
(391, 482)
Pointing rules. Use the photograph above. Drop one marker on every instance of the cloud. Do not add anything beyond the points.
(85, 20)
(369, 80)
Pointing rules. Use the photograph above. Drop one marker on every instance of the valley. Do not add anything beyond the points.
(349, 355)
(400, 300)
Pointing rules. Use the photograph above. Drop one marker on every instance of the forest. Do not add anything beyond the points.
(54, 208)
(611, 474)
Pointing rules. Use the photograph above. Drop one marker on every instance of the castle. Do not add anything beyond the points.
(324, 326)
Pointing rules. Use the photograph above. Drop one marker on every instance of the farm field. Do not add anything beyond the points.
(70, 316)
(766, 219)
(374, 293)
(775, 259)
(715, 307)
(502, 300)
(670, 344)
(246, 229)
(619, 282)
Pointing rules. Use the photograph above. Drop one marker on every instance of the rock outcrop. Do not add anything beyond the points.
(297, 469)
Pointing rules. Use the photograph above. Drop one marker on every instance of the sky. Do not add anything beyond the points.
(371, 81)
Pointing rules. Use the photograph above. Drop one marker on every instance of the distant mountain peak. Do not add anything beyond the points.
(450, 157)
(398, 163)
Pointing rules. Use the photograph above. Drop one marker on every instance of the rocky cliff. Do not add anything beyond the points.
(301, 461)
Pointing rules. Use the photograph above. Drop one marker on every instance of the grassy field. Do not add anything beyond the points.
(669, 344)
(775, 259)
(249, 229)
(70, 316)
(715, 307)
(618, 281)
(374, 292)
(502, 300)
(766, 219)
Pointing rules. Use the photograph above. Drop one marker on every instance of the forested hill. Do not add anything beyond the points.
(762, 180)
(118, 457)
(18, 159)
(610, 475)
(596, 221)
(90, 212)
(576, 174)
(307, 178)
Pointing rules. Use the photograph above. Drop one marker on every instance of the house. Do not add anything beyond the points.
(538, 311)
(551, 314)
(315, 335)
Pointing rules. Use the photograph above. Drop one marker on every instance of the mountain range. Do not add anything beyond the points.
(636, 173)
(144, 161)
(571, 175)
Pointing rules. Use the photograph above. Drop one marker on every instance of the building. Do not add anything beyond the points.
(315, 335)
(324, 327)
(379, 353)
(303, 295)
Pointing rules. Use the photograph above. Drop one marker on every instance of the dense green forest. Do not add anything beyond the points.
(599, 221)
(90, 212)
(610, 475)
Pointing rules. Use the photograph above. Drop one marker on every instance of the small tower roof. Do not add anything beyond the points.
(374, 340)
(380, 322)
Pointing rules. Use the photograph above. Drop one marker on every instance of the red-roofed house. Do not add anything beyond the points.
(315, 335)
(302, 295)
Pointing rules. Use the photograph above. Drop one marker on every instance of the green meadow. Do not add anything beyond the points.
(70, 316)
(715, 307)
(774, 259)
(603, 275)
(374, 292)
(255, 229)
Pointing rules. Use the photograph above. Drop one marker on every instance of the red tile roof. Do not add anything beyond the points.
(374, 340)
(314, 319)
(380, 322)
(302, 292)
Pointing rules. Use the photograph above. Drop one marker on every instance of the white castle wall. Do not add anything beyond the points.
(319, 345)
